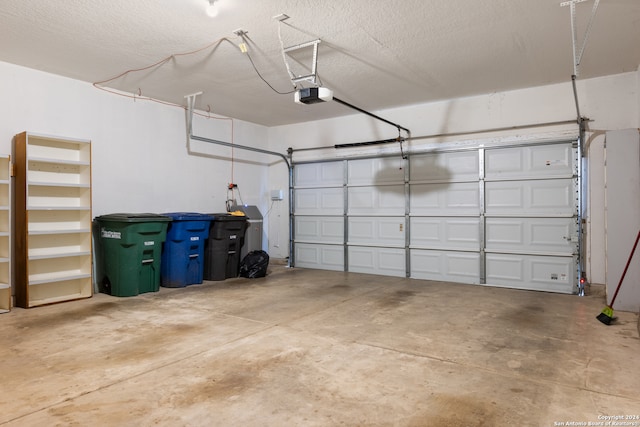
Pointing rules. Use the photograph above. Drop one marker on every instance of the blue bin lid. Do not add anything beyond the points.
(188, 216)
(133, 217)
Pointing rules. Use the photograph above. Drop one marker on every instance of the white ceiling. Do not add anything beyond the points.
(374, 54)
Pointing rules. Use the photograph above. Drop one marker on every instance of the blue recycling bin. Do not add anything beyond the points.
(183, 253)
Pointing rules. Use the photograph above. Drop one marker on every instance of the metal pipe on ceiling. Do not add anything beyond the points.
(189, 124)
(272, 153)
(242, 147)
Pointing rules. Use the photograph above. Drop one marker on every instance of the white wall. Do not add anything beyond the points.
(140, 158)
(141, 163)
(611, 102)
(622, 204)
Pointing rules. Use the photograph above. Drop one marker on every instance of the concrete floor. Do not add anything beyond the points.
(318, 348)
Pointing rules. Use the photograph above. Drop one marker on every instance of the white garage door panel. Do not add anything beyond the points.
(526, 162)
(531, 235)
(319, 174)
(498, 215)
(550, 197)
(460, 166)
(543, 273)
(462, 267)
(383, 200)
(445, 233)
(319, 229)
(382, 261)
(314, 201)
(375, 171)
(445, 199)
(381, 231)
(325, 257)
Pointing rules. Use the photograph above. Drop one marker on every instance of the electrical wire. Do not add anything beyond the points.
(270, 207)
(264, 80)
(99, 84)
(229, 201)
(164, 60)
(239, 195)
(232, 152)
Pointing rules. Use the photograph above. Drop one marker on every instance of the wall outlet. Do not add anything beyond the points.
(277, 194)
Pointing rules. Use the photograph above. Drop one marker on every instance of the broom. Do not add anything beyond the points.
(606, 316)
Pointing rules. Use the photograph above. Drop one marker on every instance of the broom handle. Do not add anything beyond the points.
(625, 270)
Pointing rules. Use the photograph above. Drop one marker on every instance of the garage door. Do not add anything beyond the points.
(502, 216)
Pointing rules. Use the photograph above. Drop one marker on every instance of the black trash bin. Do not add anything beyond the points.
(222, 248)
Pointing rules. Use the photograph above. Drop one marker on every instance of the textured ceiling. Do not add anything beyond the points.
(374, 54)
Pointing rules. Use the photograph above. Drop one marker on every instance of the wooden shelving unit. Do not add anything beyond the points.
(5, 234)
(52, 219)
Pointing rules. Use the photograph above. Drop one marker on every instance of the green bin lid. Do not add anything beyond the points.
(133, 217)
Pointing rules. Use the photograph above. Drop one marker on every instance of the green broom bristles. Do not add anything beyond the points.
(606, 316)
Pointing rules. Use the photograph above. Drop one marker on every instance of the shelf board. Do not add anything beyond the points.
(5, 286)
(58, 208)
(59, 161)
(4, 181)
(59, 255)
(36, 138)
(4, 233)
(61, 231)
(53, 219)
(57, 184)
(53, 300)
(4, 260)
(4, 208)
(61, 276)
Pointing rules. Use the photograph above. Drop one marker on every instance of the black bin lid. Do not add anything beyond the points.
(227, 217)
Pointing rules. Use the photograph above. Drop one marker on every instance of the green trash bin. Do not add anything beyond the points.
(130, 248)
